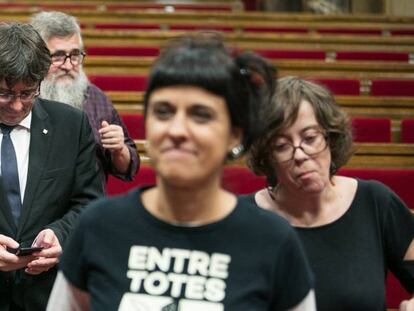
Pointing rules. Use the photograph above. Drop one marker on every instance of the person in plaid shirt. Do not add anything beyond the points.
(67, 82)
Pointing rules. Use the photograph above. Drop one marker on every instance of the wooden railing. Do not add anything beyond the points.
(124, 65)
(93, 37)
(359, 25)
(367, 155)
(392, 107)
(253, 18)
(113, 6)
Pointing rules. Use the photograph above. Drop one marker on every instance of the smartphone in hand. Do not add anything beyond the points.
(24, 251)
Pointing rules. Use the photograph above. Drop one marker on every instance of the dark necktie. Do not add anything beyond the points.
(9, 172)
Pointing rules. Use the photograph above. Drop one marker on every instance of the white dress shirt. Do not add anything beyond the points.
(20, 137)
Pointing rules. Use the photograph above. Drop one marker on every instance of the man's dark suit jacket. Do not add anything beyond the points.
(62, 178)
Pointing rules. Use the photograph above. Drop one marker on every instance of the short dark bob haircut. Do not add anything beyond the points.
(244, 80)
(282, 113)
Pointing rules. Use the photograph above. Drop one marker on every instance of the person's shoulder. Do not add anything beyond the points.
(373, 187)
(378, 197)
(95, 96)
(94, 90)
(247, 199)
(111, 206)
(56, 108)
(260, 219)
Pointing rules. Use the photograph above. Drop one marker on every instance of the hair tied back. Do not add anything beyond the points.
(253, 77)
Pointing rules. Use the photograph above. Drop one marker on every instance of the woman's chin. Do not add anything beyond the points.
(179, 179)
(311, 187)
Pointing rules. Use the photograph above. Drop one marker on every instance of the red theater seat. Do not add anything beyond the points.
(274, 29)
(399, 180)
(407, 131)
(351, 31)
(49, 7)
(123, 50)
(178, 27)
(201, 27)
(127, 25)
(372, 55)
(372, 130)
(291, 54)
(135, 124)
(395, 87)
(140, 26)
(145, 176)
(339, 86)
(251, 5)
(120, 83)
(402, 32)
(175, 6)
(395, 293)
(236, 179)
(241, 180)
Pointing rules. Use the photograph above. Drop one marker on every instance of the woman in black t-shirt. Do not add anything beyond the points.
(186, 243)
(352, 230)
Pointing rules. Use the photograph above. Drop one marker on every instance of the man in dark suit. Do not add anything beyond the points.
(48, 171)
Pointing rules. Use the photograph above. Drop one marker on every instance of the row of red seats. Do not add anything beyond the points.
(407, 130)
(240, 180)
(365, 129)
(262, 29)
(395, 56)
(168, 6)
(338, 86)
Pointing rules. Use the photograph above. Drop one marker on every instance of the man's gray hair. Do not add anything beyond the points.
(56, 24)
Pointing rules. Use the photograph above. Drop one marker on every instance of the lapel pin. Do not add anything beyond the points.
(45, 131)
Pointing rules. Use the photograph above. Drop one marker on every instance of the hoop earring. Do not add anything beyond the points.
(237, 151)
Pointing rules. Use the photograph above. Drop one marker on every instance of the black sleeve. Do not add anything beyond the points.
(398, 235)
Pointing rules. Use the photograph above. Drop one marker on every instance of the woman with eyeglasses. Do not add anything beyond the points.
(186, 243)
(353, 230)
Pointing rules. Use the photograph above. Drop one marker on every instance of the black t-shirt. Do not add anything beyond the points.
(129, 260)
(350, 256)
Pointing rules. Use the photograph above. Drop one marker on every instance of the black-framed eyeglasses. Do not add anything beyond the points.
(313, 143)
(26, 96)
(76, 57)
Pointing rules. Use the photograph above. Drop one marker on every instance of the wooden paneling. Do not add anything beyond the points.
(350, 69)
(368, 155)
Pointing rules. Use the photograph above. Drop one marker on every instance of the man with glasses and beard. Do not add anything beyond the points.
(67, 82)
(48, 167)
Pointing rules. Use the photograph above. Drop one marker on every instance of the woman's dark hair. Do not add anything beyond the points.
(282, 112)
(24, 56)
(245, 80)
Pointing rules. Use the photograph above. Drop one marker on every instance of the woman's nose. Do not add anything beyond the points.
(178, 126)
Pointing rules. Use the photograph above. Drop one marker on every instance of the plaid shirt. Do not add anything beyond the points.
(98, 108)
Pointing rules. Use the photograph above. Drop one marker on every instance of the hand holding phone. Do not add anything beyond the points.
(24, 251)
